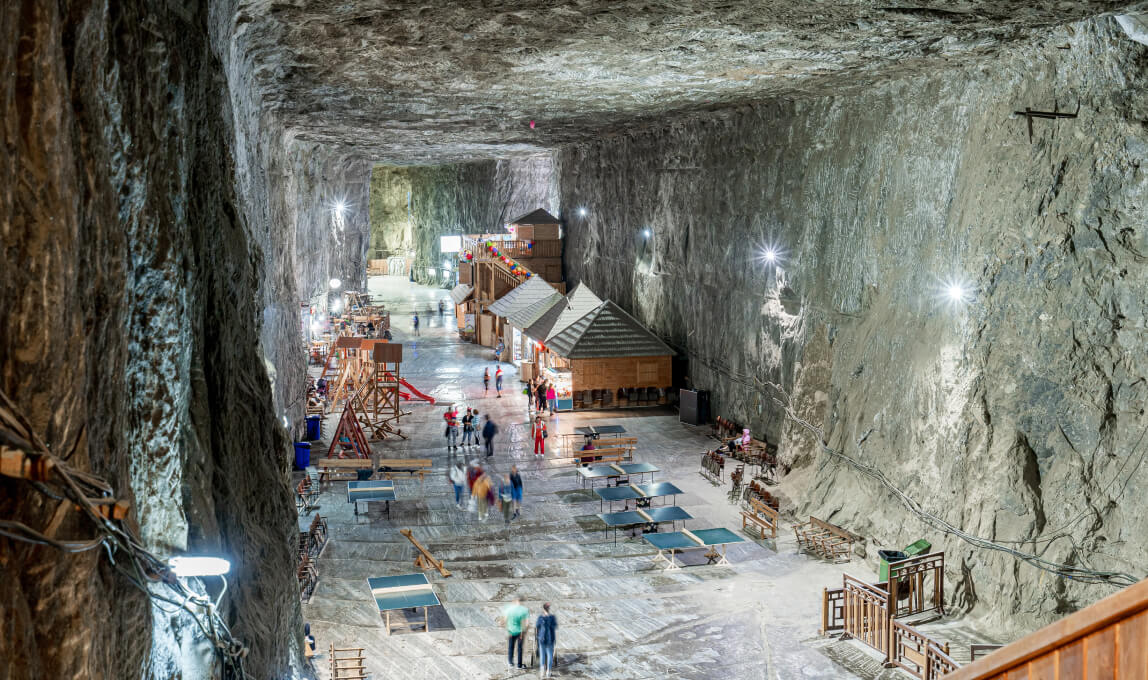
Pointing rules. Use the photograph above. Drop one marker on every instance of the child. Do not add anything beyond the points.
(538, 433)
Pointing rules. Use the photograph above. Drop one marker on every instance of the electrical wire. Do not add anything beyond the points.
(1114, 578)
(79, 488)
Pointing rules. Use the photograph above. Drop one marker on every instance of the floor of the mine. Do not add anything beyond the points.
(620, 615)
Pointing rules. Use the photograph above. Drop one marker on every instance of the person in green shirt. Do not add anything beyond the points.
(516, 616)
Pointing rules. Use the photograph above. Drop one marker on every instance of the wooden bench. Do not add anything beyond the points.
(425, 560)
(603, 456)
(827, 540)
(329, 467)
(762, 517)
(347, 663)
(306, 495)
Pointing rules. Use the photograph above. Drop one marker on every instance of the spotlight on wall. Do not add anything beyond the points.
(770, 256)
(340, 207)
(335, 284)
(581, 212)
(955, 292)
(647, 233)
(187, 566)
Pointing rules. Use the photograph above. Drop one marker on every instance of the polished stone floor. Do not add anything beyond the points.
(620, 615)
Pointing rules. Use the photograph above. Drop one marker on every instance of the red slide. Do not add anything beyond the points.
(416, 394)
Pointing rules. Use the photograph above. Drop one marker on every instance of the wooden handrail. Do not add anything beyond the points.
(1103, 614)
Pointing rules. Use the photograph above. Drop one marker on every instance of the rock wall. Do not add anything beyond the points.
(154, 225)
(1018, 414)
(411, 207)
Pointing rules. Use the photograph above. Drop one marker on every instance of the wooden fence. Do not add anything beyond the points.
(1106, 640)
(917, 585)
(866, 614)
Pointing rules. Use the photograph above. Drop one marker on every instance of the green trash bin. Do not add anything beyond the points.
(921, 547)
(884, 557)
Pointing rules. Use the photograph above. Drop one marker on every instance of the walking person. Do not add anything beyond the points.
(506, 500)
(458, 480)
(538, 434)
(516, 616)
(551, 397)
(540, 394)
(482, 494)
(441, 308)
(485, 381)
(415, 322)
(529, 392)
(468, 437)
(498, 352)
(489, 429)
(451, 418)
(498, 381)
(546, 631)
(516, 489)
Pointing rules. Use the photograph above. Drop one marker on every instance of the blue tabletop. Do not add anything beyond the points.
(600, 429)
(670, 541)
(371, 490)
(402, 592)
(612, 471)
(659, 489)
(667, 513)
(617, 493)
(621, 519)
(717, 536)
(638, 468)
(598, 471)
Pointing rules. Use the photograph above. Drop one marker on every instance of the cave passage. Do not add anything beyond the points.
(848, 300)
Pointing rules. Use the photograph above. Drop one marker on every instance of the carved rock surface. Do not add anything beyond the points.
(432, 83)
(1018, 415)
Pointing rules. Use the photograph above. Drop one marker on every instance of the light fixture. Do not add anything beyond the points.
(339, 207)
(187, 566)
(286, 423)
(581, 212)
(955, 293)
(335, 284)
(770, 256)
(647, 233)
(336, 307)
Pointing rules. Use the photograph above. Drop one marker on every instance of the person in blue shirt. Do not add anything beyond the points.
(546, 630)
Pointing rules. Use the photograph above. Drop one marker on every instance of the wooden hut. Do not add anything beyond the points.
(606, 358)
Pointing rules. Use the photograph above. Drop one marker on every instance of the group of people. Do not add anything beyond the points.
(540, 394)
(470, 431)
(545, 629)
(487, 489)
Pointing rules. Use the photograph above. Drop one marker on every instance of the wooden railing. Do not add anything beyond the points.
(1106, 640)
(938, 663)
(917, 585)
(866, 614)
(909, 649)
(832, 609)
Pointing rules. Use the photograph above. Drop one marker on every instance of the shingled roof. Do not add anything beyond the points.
(524, 316)
(524, 294)
(540, 329)
(608, 331)
(580, 302)
(539, 216)
(460, 293)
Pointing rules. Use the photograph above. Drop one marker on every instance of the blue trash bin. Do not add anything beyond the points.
(314, 428)
(302, 455)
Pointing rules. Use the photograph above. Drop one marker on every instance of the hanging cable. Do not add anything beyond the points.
(61, 483)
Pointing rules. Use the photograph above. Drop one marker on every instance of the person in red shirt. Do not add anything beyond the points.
(538, 432)
(451, 418)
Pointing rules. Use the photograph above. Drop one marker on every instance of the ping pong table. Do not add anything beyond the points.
(685, 539)
(642, 493)
(615, 470)
(406, 591)
(371, 490)
(651, 517)
(590, 432)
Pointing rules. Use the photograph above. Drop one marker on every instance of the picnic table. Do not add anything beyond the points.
(371, 490)
(650, 517)
(642, 493)
(615, 470)
(679, 541)
(406, 591)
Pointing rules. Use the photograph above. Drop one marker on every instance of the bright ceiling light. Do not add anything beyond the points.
(335, 284)
(187, 566)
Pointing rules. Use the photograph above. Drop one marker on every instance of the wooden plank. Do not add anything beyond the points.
(1069, 661)
(1042, 668)
(1100, 654)
(1132, 647)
